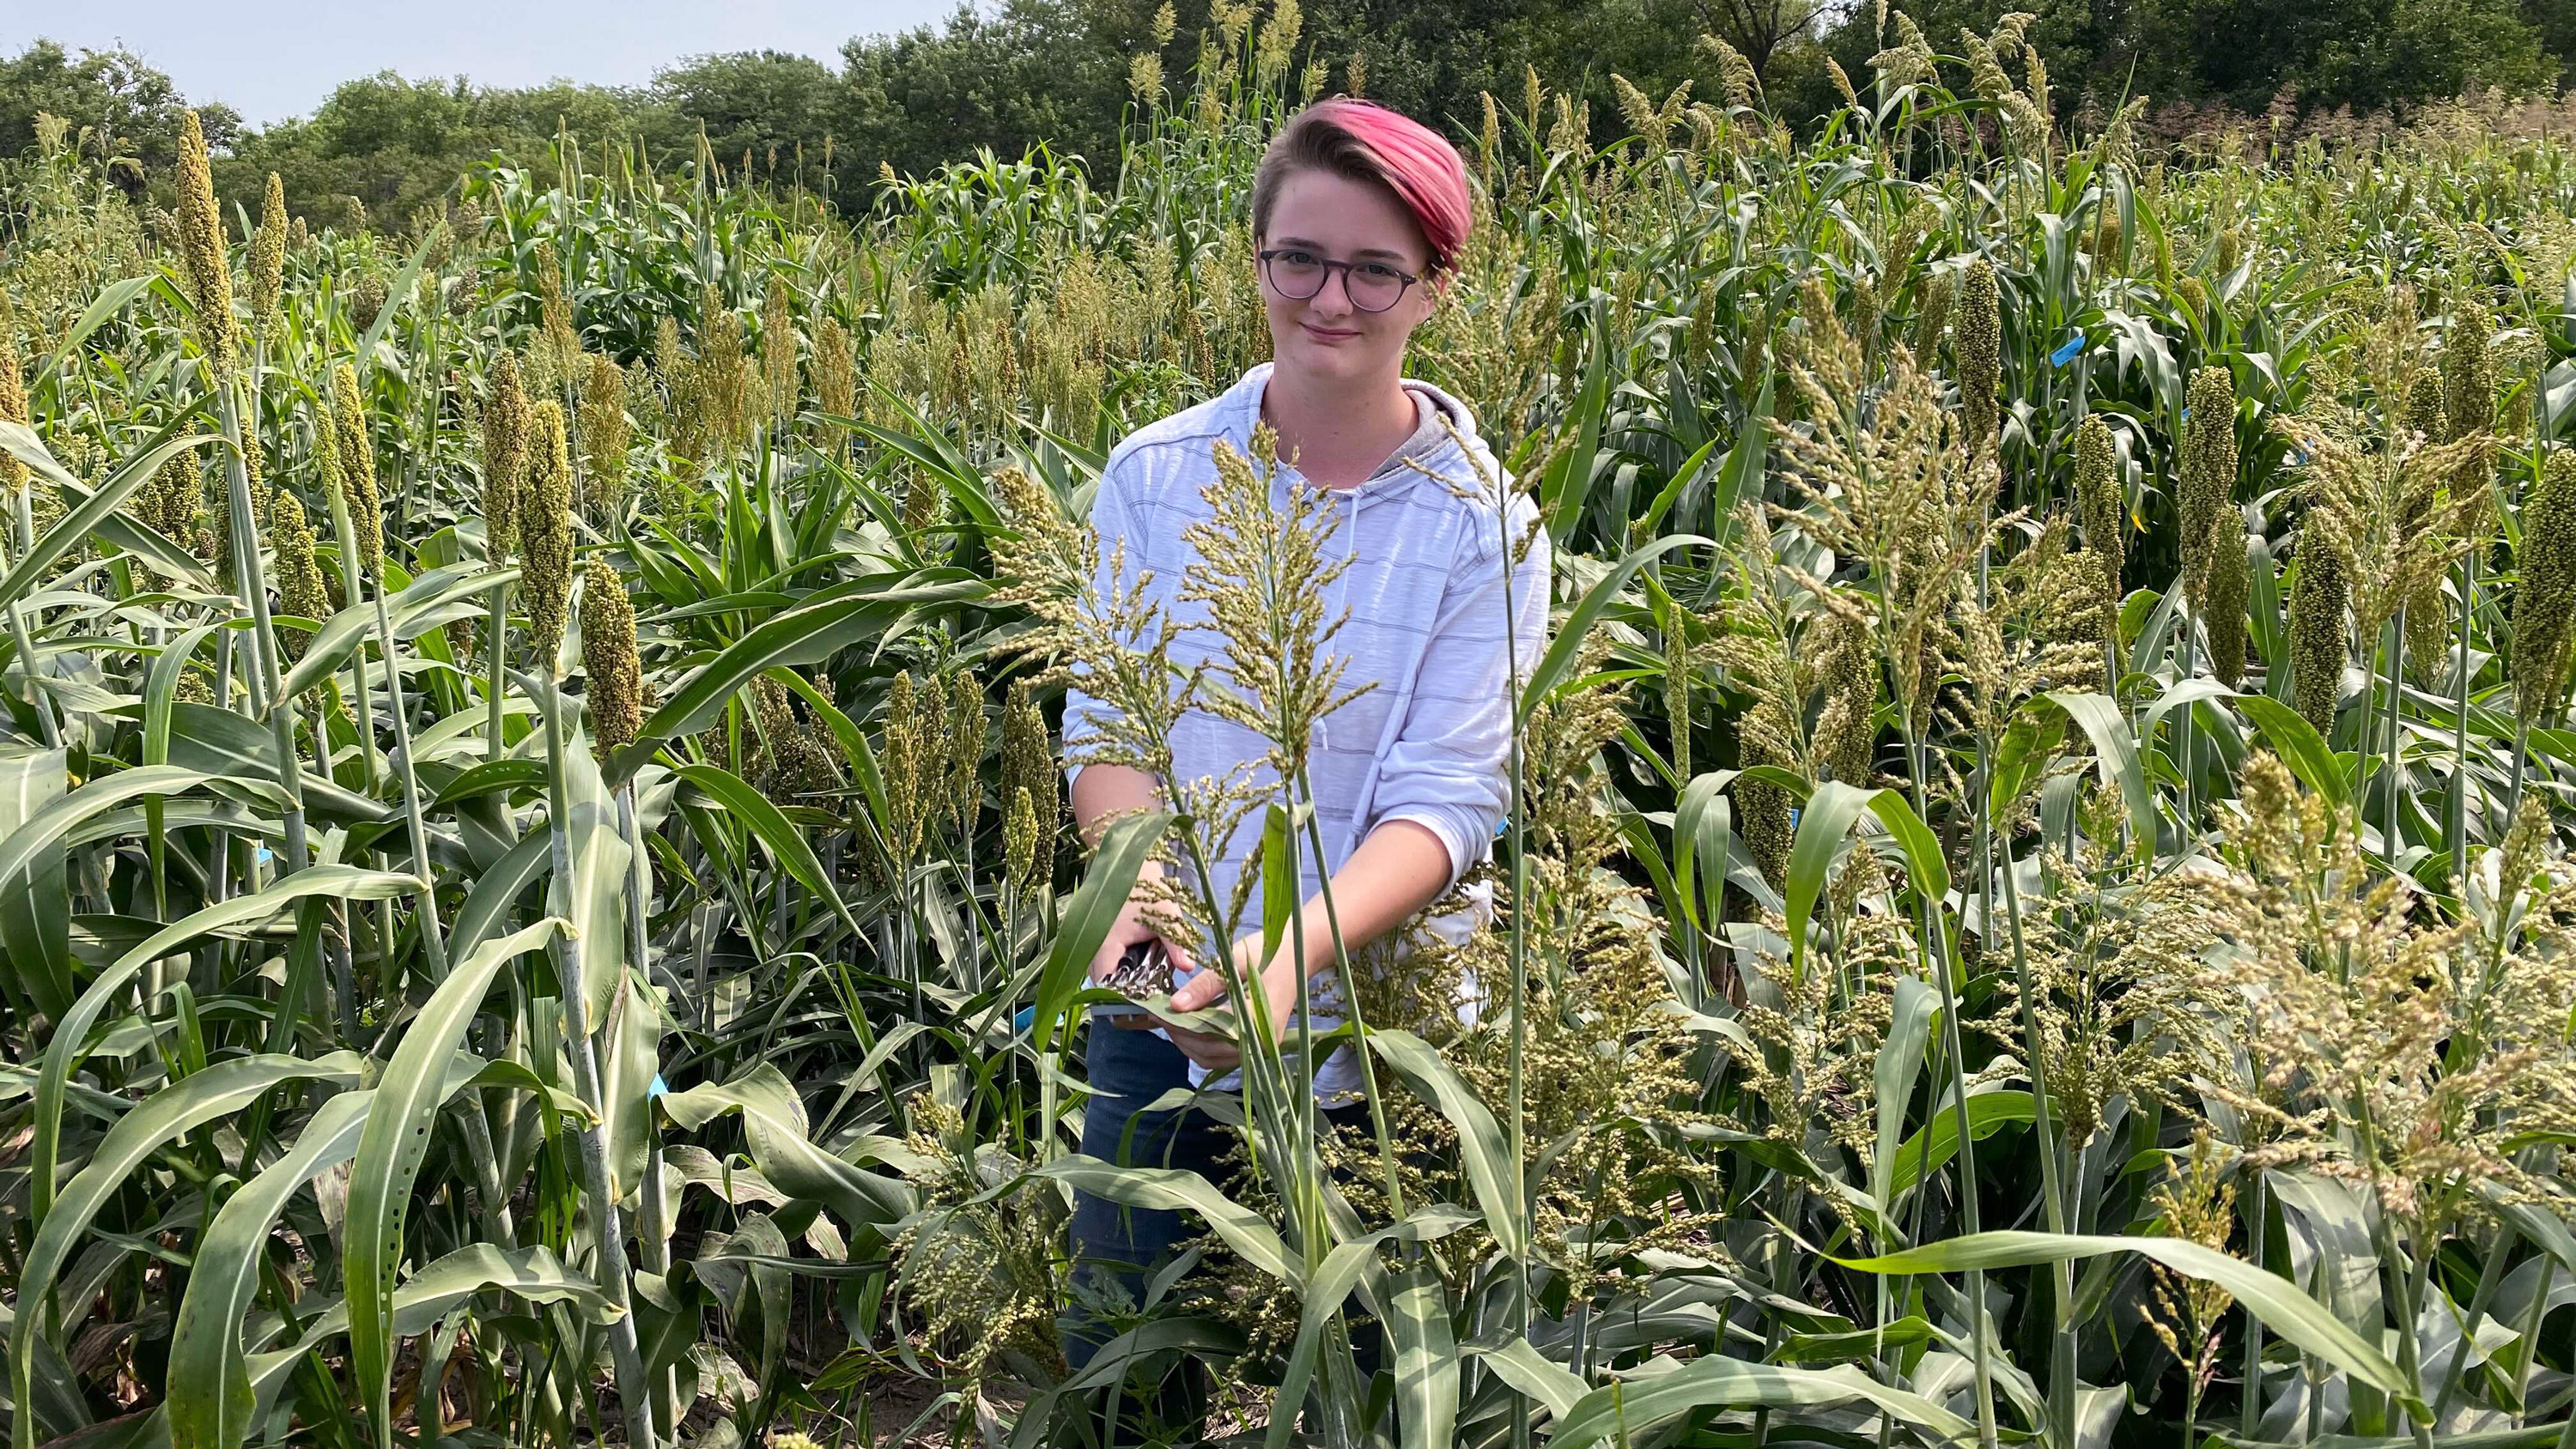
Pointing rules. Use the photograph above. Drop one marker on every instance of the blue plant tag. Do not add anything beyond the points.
(2067, 351)
(1024, 1018)
(659, 1088)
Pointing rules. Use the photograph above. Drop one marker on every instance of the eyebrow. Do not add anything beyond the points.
(1314, 246)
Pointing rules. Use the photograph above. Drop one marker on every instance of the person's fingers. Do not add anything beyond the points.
(1203, 989)
(1124, 932)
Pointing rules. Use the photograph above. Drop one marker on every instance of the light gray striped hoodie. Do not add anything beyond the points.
(1425, 623)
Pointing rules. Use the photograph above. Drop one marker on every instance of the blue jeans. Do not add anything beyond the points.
(1129, 1069)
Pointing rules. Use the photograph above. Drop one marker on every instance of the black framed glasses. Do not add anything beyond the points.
(1297, 273)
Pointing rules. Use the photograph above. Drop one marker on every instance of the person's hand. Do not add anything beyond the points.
(1145, 917)
(1278, 981)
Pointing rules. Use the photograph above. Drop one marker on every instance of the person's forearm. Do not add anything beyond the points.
(1399, 869)
(1102, 793)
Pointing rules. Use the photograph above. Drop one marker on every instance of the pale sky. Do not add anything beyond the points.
(271, 59)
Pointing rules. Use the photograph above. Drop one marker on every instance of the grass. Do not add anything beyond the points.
(2034, 907)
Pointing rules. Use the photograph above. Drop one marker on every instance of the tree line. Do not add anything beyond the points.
(1020, 73)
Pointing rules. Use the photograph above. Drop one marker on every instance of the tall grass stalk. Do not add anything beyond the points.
(608, 1238)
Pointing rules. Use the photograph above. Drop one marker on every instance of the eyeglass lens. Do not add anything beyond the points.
(1373, 288)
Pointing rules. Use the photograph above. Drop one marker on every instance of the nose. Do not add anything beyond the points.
(1334, 278)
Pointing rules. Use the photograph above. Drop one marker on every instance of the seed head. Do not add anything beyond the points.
(836, 375)
(357, 449)
(605, 429)
(616, 691)
(299, 578)
(720, 368)
(13, 407)
(2319, 598)
(778, 348)
(2193, 296)
(1028, 772)
(2223, 612)
(505, 459)
(2544, 606)
(168, 503)
(367, 301)
(2425, 412)
(2468, 373)
(1981, 351)
(1678, 668)
(268, 259)
(1938, 291)
(559, 344)
(2208, 470)
(1736, 78)
(906, 759)
(1847, 730)
(1020, 840)
(546, 528)
(201, 247)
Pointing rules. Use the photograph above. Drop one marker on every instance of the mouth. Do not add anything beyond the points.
(1329, 334)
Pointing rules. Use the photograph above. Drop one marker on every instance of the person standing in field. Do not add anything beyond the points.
(1358, 216)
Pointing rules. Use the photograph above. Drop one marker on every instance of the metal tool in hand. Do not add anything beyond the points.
(1144, 971)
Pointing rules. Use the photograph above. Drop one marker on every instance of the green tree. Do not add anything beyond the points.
(766, 103)
(1031, 71)
(122, 105)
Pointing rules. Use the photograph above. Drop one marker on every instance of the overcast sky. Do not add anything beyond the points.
(271, 59)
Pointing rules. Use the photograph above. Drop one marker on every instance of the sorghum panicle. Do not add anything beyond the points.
(616, 689)
(2425, 412)
(1933, 316)
(778, 349)
(2319, 599)
(1980, 351)
(2208, 465)
(903, 756)
(268, 259)
(546, 529)
(505, 459)
(2544, 607)
(835, 369)
(2468, 373)
(605, 428)
(1028, 771)
(357, 453)
(201, 247)
(1020, 840)
(13, 408)
(1846, 730)
(300, 589)
(2223, 607)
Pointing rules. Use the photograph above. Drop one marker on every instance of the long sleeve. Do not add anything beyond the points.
(1450, 768)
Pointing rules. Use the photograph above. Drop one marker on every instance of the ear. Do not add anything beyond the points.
(1435, 292)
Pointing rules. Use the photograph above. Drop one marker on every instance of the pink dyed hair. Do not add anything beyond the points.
(1362, 141)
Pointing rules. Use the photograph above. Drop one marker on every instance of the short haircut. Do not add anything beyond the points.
(1362, 141)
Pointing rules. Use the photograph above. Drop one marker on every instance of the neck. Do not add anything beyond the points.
(1338, 432)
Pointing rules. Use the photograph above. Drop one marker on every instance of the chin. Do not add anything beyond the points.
(1349, 360)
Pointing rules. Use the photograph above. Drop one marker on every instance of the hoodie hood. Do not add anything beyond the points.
(1405, 471)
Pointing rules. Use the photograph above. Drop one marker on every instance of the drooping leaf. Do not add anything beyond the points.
(2275, 1300)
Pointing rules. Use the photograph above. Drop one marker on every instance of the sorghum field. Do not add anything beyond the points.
(539, 906)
